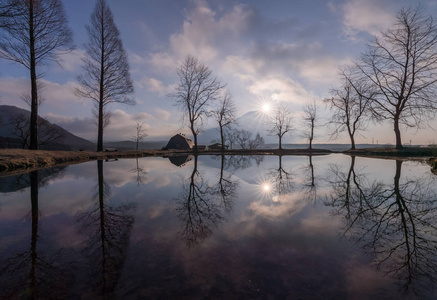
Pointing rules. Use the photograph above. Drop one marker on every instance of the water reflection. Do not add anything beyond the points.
(395, 223)
(241, 162)
(38, 271)
(280, 181)
(102, 232)
(180, 160)
(107, 228)
(309, 186)
(140, 172)
(201, 205)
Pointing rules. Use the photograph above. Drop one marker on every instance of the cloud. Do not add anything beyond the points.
(162, 114)
(280, 88)
(204, 34)
(369, 16)
(155, 86)
(55, 94)
(71, 61)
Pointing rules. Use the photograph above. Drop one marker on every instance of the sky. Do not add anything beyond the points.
(282, 51)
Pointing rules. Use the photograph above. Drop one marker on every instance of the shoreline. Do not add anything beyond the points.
(13, 161)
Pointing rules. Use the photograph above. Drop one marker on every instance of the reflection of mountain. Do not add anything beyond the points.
(18, 182)
(7, 128)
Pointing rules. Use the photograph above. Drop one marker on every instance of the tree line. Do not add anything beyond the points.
(394, 79)
(33, 33)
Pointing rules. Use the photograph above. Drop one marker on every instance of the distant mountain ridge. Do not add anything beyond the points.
(252, 121)
(7, 128)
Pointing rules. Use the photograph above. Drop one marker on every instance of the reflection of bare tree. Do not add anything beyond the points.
(309, 188)
(281, 180)
(226, 187)
(240, 162)
(108, 229)
(199, 209)
(141, 172)
(33, 273)
(395, 223)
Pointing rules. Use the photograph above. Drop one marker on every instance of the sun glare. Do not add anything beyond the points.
(266, 187)
(266, 108)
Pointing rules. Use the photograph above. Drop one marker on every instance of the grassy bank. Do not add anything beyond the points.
(392, 152)
(20, 160)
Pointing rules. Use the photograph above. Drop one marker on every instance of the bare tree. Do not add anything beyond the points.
(349, 105)
(256, 142)
(230, 136)
(141, 133)
(225, 115)
(280, 123)
(198, 88)
(105, 78)
(38, 31)
(242, 138)
(7, 13)
(48, 133)
(309, 116)
(402, 66)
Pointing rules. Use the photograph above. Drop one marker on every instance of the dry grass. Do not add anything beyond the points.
(20, 160)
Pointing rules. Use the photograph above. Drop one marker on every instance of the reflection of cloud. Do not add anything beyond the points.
(363, 278)
(283, 206)
(162, 181)
(317, 224)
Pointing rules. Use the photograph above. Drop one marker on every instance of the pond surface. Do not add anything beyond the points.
(296, 227)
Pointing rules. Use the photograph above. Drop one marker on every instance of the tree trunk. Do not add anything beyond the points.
(397, 132)
(280, 142)
(33, 127)
(222, 138)
(351, 136)
(100, 126)
(312, 134)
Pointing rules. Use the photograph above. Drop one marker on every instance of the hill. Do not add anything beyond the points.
(8, 127)
(252, 121)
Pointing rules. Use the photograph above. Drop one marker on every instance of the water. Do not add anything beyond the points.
(296, 227)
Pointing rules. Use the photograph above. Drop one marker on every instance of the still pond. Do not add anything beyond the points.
(213, 227)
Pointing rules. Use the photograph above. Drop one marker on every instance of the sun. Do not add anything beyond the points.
(266, 108)
(266, 187)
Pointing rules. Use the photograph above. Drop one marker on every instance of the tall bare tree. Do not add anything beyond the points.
(197, 90)
(280, 123)
(105, 78)
(402, 65)
(309, 116)
(140, 134)
(350, 108)
(225, 115)
(36, 32)
(7, 13)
